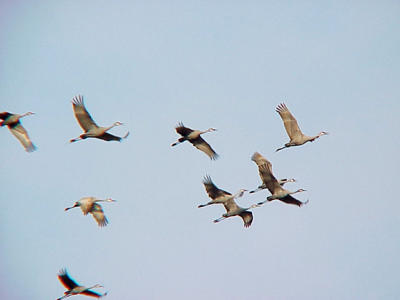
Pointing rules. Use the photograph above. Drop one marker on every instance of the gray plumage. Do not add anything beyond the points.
(92, 130)
(297, 137)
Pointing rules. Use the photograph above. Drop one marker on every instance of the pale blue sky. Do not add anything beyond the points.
(227, 65)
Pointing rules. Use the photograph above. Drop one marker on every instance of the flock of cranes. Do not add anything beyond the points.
(90, 205)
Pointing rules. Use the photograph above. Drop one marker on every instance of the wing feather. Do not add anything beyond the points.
(203, 146)
(92, 294)
(81, 114)
(290, 122)
(98, 214)
(182, 130)
(22, 135)
(291, 200)
(212, 190)
(67, 281)
(268, 178)
(247, 217)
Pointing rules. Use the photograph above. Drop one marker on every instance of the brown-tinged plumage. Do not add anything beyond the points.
(261, 160)
(90, 205)
(92, 130)
(194, 137)
(272, 184)
(217, 195)
(297, 137)
(232, 209)
(75, 289)
(12, 121)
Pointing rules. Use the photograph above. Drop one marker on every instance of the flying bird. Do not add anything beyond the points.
(232, 209)
(14, 125)
(261, 160)
(194, 137)
(75, 289)
(217, 195)
(92, 130)
(297, 137)
(277, 191)
(90, 205)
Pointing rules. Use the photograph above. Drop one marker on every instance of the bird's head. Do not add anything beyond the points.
(300, 190)
(28, 114)
(211, 129)
(118, 123)
(323, 133)
(75, 205)
(111, 200)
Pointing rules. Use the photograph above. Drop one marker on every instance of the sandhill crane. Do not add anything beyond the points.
(217, 195)
(14, 125)
(297, 138)
(92, 130)
(269, 180)
(232, 209)
(76, 289)
(90, 205)
(193, 136)
(261, 160)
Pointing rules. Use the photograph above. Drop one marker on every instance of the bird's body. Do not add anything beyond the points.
(90, 205)
(232, 209)
(194, 137)
(217, 195)
(75, 289)
(92, 130)
(261, 160)
(272, 184)
(12, 121)
(297, 138)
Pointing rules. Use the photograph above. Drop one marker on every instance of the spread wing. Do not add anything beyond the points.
(268, 178)
(22, 135)
(247, 217)
(291, 200)
(182, 130)
(261, 160)
(98, 214)
(202, 145)
(92, 294)
(212, 190)
(4, 115)
(67, 281)
(291, 126)
(81, 114)
(109, 137)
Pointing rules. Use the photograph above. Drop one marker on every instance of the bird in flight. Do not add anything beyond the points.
(90, 205)
(297, 137)
(75, 289)
(92, 130)
(12, 121)
(194, 137)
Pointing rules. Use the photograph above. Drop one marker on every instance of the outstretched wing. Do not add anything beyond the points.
(81, 114)
(268, 178)
(247, 217)
(109, 137)
(291, 200)
(98, 214)
(182, 130)
(261, 160)
(4, 115)
(67, 281)
(212, 190)
(290, 122)
(92, 294)
(231, 205)
(22, 135)
(202, 145)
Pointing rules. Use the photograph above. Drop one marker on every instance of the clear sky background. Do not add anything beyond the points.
(228, 65)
